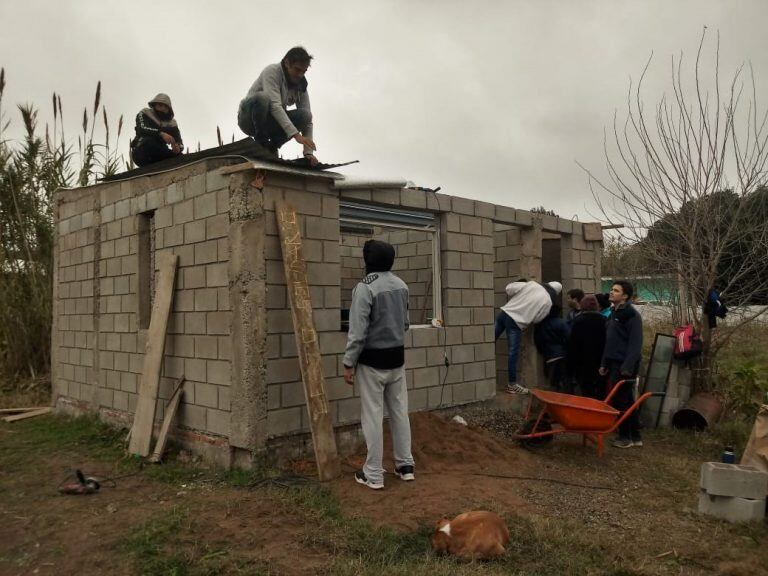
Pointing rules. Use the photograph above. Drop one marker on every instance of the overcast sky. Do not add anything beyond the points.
(490, 100)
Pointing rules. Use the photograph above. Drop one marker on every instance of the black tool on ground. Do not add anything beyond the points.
(84, 485)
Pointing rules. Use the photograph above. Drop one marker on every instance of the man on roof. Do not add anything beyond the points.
(263, 114)
(157, 133)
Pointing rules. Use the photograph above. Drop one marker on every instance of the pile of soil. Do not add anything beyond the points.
(457, 469)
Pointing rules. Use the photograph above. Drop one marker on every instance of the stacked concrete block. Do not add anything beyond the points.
(467, 259)
(317, 207)
(733, 492)
(73, 338)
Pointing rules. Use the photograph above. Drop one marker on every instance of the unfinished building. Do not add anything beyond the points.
(230, 331)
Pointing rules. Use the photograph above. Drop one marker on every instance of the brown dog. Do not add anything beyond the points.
(476, 535)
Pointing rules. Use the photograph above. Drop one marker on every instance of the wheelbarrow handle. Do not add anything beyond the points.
(631, 409)
(616, 387)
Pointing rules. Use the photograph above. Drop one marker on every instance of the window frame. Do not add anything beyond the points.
(389, 219)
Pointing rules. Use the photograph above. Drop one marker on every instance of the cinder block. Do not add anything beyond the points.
(183, 212)
(205, 206)
(733, 509)
(720, 479)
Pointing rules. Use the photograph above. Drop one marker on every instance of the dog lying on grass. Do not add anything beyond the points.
(476, 535)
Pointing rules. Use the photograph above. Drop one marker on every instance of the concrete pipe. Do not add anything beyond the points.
(701, 411)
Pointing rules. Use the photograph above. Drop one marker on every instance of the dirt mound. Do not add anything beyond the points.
(440, 444)
(451, 460)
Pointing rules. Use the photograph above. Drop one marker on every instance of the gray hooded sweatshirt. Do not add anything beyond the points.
(273, 83)
(378, 315)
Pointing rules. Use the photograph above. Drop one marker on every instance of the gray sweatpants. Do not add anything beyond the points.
(379, 388)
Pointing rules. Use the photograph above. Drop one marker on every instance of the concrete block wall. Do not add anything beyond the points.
(73, 337)
(231, 330)
(352, 265)
(317, 206)
(189, 210)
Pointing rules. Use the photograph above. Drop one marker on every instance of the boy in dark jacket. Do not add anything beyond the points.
(585, 348)
(551, 338)
(157, 134)
(621, 358)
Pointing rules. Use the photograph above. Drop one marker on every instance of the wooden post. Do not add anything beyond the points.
(307, 344)
(170, 412)
(143, 421)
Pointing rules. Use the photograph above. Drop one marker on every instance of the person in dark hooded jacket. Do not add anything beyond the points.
(157, 133)
(551, 339)
(375, 359)
(585, 348)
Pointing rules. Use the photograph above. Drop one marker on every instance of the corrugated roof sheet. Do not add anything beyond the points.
(245, 149)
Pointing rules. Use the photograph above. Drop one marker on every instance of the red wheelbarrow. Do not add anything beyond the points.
(591, 418)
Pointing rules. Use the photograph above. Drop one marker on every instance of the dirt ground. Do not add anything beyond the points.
(631, 512)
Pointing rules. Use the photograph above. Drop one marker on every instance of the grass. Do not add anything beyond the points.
(183, 540)
(61, 434)
(177, 541)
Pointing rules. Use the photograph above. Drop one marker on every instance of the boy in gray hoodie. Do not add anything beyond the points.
(375, 357)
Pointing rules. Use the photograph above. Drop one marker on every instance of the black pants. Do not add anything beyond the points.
(592, 386)
(624, 398)
(254, 117)
(151, 151)
(557, 377)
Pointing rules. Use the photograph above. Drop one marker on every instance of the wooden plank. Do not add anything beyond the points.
(144, 418)
(30, 414)
(16, 410)
(321, 423)
(170, 412)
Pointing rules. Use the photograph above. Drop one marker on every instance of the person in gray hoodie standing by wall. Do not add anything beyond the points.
(263, 114)
(621, 358)
(375, 358)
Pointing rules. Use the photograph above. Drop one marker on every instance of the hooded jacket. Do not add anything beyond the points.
(551, 335)
(149, 124)
(529, 303)
(378, 315)
(283, 93)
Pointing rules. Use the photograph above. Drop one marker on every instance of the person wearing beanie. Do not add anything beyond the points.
(585, 348)
(157, 133)
(375, 359)
(529, 303)
(263, 114)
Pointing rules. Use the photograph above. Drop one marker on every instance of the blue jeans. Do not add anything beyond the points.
(505, 323)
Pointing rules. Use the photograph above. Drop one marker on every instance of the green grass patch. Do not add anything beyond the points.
(151, 549)
(33, 439)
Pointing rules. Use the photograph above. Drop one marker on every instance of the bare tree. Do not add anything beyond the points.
(686, 180)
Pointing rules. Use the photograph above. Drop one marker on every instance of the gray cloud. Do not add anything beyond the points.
(491, 100)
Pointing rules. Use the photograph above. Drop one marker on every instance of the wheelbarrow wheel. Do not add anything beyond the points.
(544, 426)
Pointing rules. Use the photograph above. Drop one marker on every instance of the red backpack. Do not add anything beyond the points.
(688, 343)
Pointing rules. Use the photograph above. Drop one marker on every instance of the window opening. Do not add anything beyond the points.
(146, 268)
(415, 238)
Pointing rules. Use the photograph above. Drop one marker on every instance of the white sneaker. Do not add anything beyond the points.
(405, 473)
(361, 478)
(517, 389)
